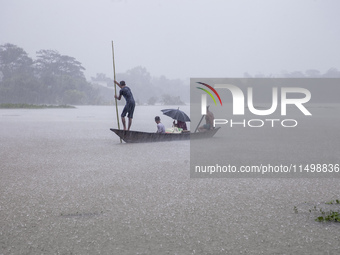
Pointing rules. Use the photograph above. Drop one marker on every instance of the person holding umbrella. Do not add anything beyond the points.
(180, 124)
(130, 103)
(178, 115)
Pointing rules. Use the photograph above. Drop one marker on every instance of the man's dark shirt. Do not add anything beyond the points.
(127, 94)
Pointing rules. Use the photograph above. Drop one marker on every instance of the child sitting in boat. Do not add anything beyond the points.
(160, 126)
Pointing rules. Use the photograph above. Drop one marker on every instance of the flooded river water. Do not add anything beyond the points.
(68, 186)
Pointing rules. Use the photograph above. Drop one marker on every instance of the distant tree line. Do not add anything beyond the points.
(147, 89)
(310, 73)
(53, 78)
(50, 79)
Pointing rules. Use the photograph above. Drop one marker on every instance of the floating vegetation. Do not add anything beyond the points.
(329, 216)
(333, 202)
(295, 209)
(324, 212)
(33, 106)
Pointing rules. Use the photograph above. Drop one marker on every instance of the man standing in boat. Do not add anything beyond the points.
(130, 103)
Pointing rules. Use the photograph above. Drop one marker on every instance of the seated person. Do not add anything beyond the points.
(209, 121)
(180, 124)
(160, 126)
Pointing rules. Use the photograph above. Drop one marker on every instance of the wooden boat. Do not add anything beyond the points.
(145, 137)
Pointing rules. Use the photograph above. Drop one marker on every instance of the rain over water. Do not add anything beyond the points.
(68, 186)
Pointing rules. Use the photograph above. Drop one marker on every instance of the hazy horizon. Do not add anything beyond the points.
(180, 39)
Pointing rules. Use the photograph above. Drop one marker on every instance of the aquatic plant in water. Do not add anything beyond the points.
(326, 215)
(329, 216)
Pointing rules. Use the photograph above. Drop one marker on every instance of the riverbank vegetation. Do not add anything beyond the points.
(56, 79)
(51, 79)
(33, 106)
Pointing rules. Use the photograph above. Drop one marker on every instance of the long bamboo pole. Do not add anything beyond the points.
(114, 81)
(199, 123)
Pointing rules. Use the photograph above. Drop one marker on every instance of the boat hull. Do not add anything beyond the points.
(146, 137)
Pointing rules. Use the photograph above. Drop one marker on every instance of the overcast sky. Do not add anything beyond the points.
(180, 38)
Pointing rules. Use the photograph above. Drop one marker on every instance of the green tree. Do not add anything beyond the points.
(313, 73)
(73, 97)
(14, 60)
(18, 83)
(152, 100)
(64, 79)
(50, 62)
(102, 78)
(139, 80)
(332, 73)
(171, 100)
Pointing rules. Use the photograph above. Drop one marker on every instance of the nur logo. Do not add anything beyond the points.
(300, 97)
(204, 97)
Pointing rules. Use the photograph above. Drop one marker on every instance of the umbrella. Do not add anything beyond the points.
(176, 114)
